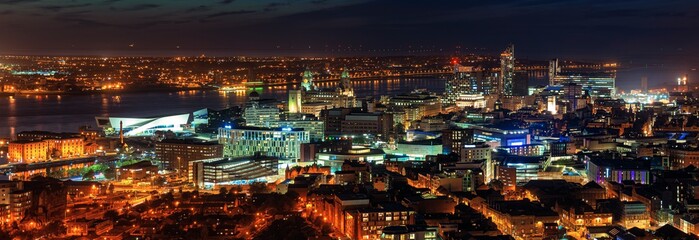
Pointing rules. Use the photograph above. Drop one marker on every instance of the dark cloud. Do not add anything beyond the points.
(12, 2)
(150, 24)
(73, 13)
(6, 12)
(200, 8)
(160, 16)
(58, 8)
(532, 3)
(221, 14)
(85, 22)
(138, 7)
(274, 6)
(109, 2)
(638, 14)
(539, 28)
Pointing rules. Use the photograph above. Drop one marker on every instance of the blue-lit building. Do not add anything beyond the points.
(617, 170)
(501, 135)
(335, 159)
(515, 170)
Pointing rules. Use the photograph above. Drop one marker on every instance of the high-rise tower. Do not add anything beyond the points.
(554, 69)
(507, 71)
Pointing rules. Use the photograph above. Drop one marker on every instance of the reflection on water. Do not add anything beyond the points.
(65, 113)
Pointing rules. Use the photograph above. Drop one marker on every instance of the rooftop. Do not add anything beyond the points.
(141, 164)
(187, 141)
(622, 164)
(522, 208)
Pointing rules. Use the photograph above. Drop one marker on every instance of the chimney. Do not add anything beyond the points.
(121, 132)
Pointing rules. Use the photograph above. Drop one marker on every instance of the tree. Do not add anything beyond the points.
(399, 128)
(74, 172)
(89, 175)
(258, 187)
(109, 173)
(325, 229)
(100, 167)
(57, 173)
(236, 189)
(222, 191)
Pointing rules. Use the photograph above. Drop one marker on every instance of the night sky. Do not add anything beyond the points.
(636, 32)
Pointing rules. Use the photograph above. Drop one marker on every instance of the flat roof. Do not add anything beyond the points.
(188, 141)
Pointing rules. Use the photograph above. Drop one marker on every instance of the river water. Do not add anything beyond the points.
(66, 113)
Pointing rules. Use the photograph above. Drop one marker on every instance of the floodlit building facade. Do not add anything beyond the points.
(284, 143)
(175, 154)
(207, 173)
(28, 151)
(144, 126)
(260, 116)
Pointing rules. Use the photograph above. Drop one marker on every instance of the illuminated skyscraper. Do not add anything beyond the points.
(458, 84)
(554, 69)
(468, 81)
(507, 71)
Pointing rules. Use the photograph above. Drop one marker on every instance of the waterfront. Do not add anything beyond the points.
(66, 113)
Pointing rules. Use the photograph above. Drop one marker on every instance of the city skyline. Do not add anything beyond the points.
(349, 119)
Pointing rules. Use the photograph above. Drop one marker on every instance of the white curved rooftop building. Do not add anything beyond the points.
(144, 126)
